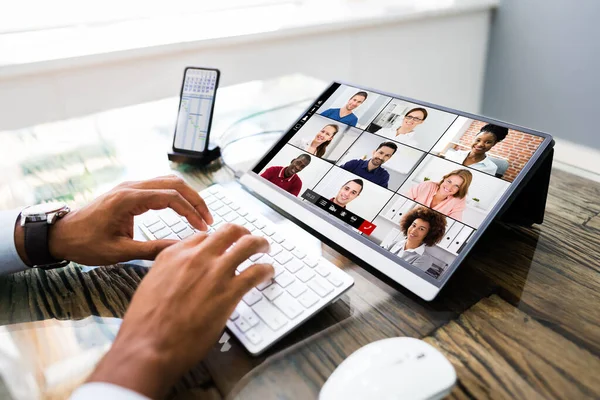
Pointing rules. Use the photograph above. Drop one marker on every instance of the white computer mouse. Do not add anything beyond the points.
(396, 368)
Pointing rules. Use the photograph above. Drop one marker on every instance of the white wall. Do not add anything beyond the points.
(445, 66)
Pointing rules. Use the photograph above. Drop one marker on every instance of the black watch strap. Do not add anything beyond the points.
(36, 246)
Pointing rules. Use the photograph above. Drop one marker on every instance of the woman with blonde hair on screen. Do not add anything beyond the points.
(421, 228)
(317, 146)
(447, 196)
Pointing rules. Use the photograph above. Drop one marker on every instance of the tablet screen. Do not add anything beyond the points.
(415, 180)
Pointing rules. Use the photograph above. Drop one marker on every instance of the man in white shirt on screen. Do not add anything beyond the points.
(166, 331)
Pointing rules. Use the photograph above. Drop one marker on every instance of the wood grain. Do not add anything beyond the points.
(501, 352)
(520, 318)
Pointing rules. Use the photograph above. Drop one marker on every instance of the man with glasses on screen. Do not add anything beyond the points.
(372, 169)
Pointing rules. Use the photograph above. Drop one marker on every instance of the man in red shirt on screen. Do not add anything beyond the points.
(286, 177)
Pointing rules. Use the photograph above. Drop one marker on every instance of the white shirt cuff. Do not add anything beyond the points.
(103, 391)
(10, 262)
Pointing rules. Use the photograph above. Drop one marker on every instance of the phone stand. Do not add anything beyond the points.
(528, 205)
(197, 159)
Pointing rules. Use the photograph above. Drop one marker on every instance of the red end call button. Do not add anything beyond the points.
(366, 227)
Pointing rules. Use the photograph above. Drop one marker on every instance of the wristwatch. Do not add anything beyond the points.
(35, 221)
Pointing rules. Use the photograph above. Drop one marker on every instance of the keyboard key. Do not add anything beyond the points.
(270, 314)
(255, 257)
(296, 288)
(283, 257)
(226, 200)
(178, 227)
(278, 269)
(264, 285)
(216, 220)
(250, 317)
(311, 262)
(268, 230)
(234, 316)
(288, 305)
(162, 233)
(214, 189)
(172, 236)
(266, 259)
(321, 287)
(305, 274)
(253, 336)
(210, 200)
(186, 233)
(322, 270)
(230, 217)
(156, 227)
(289, 246)
(251, 217)
(284, 279)
(259, 223)
(222, 211)
(250, 227)
(272, 292)
(216, 205)
(294, 266)
(252, 297)
(242, 325)
(298, 253)
(219, 195)
(241, 211)
(169, 216)
(335, 279)
(244, 266)
(275, 249)
(235, 206)
(150, 219)
(308, 299)
(278, 238)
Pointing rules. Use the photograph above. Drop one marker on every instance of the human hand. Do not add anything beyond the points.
(101, 233)
(180, 309)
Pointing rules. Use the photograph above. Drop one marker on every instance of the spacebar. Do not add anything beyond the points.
(271, 315)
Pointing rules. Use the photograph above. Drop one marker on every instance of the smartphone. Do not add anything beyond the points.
(196, 106)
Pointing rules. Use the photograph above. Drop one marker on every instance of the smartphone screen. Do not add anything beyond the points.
(195, 109)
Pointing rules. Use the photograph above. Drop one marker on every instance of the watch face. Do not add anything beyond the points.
(42, 209)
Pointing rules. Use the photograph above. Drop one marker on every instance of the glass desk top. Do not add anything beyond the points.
(519, 319)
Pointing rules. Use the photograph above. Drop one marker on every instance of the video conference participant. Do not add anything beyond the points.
(318, 145)
(422, 228)
(372, 169)
(447, 196)
(476, 158)
(348, 192)
(286, 177)
(405, 132)
(345, 114)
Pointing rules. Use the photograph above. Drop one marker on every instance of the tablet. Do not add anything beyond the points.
(404, 185)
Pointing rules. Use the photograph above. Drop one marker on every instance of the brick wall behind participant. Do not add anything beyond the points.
(517, 148)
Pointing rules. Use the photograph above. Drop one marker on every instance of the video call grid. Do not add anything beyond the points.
(425, 153)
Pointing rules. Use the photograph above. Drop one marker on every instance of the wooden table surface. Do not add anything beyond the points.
(519, 319)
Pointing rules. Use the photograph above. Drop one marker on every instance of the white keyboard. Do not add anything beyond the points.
(302, 285)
